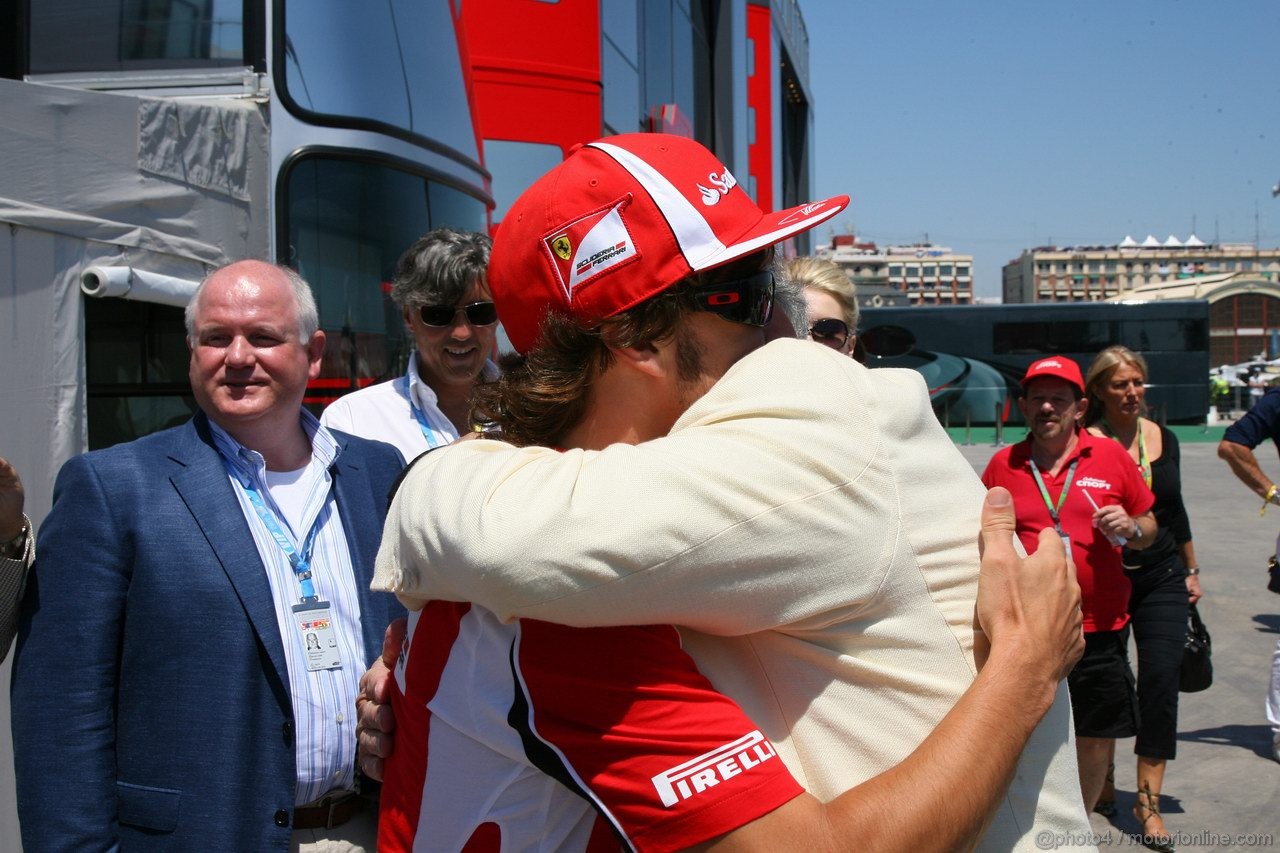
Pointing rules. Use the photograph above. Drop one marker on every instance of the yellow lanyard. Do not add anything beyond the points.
(1144, 462)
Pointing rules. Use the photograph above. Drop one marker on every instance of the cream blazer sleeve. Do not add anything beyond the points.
(719, 526)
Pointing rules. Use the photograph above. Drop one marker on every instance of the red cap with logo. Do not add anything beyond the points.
(1055, 365)
(621, 220)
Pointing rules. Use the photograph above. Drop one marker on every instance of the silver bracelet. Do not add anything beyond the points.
(1194, 570)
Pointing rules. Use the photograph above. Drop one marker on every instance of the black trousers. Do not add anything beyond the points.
(1158, 615)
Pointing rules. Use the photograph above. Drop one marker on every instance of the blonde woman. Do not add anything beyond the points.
(1164, 577)
(829, 295)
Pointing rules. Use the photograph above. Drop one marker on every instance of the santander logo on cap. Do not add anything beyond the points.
(720, 186)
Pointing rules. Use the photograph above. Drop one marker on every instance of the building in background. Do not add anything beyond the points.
(919, 274)
(1090, 273)
(1244, 311)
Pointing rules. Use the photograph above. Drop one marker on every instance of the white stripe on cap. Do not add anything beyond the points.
(697, 240)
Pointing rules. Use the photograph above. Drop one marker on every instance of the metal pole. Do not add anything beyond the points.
(999, 426)
(968, 427)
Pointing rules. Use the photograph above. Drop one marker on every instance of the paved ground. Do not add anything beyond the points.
(1224, 785)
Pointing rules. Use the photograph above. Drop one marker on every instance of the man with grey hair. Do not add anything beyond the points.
(179, 579)
(441, 290)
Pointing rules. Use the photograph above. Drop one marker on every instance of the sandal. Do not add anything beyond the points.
(1149, 804)
(1106, 805)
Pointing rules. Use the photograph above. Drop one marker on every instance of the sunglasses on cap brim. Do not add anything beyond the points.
(478, 314)
(830, 331)
(748, 301)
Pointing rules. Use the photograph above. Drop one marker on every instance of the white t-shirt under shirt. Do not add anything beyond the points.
(290, 490)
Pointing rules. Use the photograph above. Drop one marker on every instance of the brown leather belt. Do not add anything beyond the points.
(329, 812)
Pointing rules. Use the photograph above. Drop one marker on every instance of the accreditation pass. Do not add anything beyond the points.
(315, 635)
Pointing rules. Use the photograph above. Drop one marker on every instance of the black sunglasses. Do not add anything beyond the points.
(746, 300)
(830, 331)
(478, 314)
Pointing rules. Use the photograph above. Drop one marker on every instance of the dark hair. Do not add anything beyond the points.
(439, 267)
(542, 395)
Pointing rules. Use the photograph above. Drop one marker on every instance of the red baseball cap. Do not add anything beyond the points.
(1055, 365)
(621, 220)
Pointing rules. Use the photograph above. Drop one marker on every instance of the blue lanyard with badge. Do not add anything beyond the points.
(428, 433)
(311, 616)
(1062, 499)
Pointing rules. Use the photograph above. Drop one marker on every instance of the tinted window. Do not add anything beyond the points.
(127, 35)
(396, 63)
(1051, 338)
(514, 167)
(347, 223)
(1165, 335)
(1089, 336)
(136, 367)
(621, 99)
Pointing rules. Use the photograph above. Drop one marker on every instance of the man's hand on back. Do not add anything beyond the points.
(375, 723)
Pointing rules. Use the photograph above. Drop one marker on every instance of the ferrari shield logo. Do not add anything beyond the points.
(562, 247)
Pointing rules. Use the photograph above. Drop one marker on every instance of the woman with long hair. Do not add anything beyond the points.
(1165, 577)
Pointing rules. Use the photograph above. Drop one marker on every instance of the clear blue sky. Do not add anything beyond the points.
(998, 125)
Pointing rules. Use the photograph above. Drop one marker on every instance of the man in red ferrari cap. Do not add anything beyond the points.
(1088, 491)
(804, 521)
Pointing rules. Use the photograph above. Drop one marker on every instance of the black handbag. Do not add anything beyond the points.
(1273, 572)
(1197, 661)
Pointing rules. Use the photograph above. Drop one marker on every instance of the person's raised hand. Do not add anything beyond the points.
(1028, 607)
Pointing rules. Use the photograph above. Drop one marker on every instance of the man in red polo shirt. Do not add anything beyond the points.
(1089, 490)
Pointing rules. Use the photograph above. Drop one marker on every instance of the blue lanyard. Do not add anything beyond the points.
(300, 562)
(431, 435)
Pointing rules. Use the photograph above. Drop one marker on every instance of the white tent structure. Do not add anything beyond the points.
(1151, 242)
(128, 197)
(1173, 243)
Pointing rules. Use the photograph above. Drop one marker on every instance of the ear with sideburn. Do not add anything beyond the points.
(646, 358)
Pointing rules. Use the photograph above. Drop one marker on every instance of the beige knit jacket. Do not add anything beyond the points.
(808, 525)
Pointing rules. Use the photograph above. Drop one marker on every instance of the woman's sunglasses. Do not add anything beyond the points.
(831, 332)
(746, 300)
(478, 314)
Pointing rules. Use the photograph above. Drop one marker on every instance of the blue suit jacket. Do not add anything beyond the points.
(151, 706)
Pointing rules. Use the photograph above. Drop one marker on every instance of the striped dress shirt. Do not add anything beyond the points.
(323, 701)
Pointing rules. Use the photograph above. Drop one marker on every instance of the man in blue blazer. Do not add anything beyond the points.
(164, 694)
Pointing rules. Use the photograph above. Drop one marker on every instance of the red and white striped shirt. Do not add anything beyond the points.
(534, 736)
